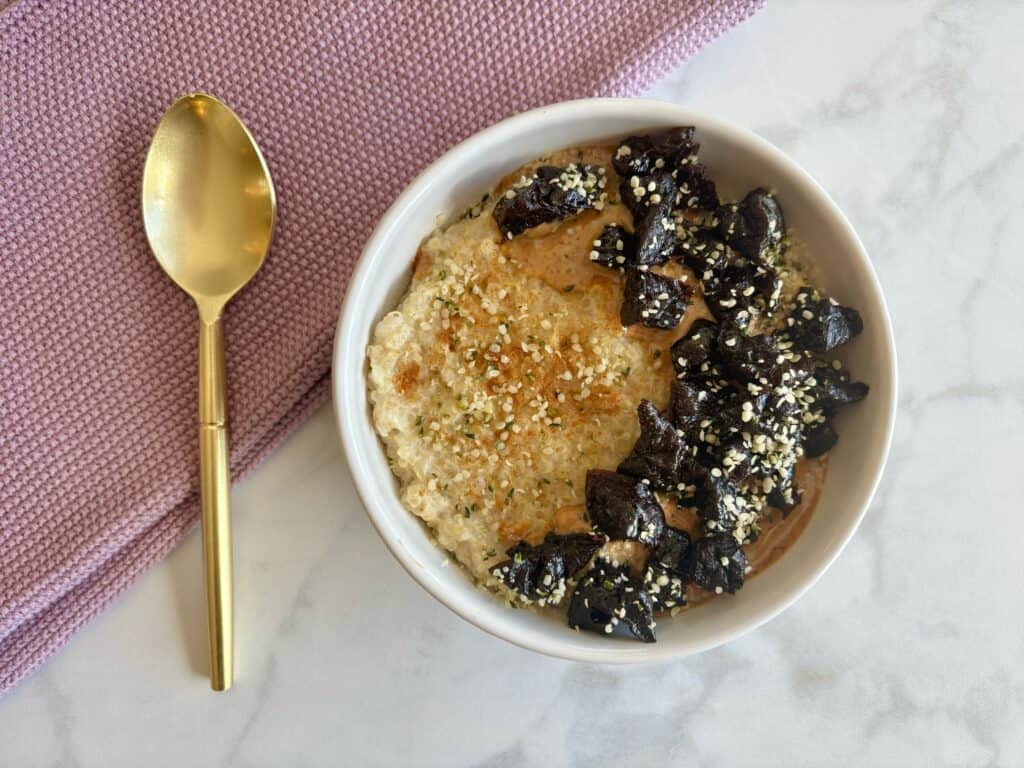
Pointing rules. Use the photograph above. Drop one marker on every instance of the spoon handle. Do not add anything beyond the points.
(215, 483)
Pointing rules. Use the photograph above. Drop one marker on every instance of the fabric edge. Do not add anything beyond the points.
(34, 642)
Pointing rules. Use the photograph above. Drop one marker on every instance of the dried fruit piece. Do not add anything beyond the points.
(719, 564)
(774, 440)
(751, 358)
(641, 192)
(609, 601)
(820, 324)
(688, 405)
(655, 235)
(695, 348)
(701, 250)
(753, 225)
(832, 388)
(614, 248)
(551, 194)
(723, 508)
(654, 300)
(668, 569)
(735, 410)
(641, 155)
(819, 439)
(735, 456)
(696, 190)
(659, 454)
(738, 293)
(623, 507)
(539, 573)
(651, 199)
(785, 494)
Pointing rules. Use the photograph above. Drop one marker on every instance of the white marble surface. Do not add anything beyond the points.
(909, 652)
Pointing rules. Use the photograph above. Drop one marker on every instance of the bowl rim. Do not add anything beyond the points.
(378, 510)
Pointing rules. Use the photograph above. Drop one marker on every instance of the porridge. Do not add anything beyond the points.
(607, 390)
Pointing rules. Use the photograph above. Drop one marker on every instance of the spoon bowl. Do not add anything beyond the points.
(207, 200)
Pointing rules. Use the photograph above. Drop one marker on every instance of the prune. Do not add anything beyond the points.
(640, 155)
(538, 573)
(832, 389)
(719, 564)
(705, 434)
(688, 405)
(659, 454)
(785, 494)
(696, 190)
(666, 590)
(753, 225)
(739, 293)
(623, 507)
(726, 300)
(819, 439)
(701, 250)
(639, 193)
(654, 226)
(722, 506)
(551, 194)
(695, 348)
(609, 601)
(750, 358)
(790, 392)
(767, 286)
(655, 235)
(820, 324)
(673, 552)
(711, 378)
(735, 457)
(614, 248)
(668, 569)
(654, 300)
(721, 424)
(774, 446)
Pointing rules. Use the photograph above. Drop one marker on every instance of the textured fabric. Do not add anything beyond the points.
(97, 347)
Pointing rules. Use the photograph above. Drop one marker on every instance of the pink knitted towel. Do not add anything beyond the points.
(348, 99)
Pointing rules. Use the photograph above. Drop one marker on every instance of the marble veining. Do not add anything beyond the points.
(907, 653)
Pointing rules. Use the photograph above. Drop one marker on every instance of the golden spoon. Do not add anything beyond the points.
(208, 206)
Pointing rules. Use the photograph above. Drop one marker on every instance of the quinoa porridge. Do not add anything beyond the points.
(606, 389)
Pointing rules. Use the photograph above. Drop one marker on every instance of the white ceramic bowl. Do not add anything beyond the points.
(738, 160)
